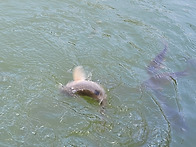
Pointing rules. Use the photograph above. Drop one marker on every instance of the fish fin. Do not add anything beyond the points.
(79, 74)
(157, 63)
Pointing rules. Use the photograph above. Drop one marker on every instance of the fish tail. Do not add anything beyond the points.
(79, 74)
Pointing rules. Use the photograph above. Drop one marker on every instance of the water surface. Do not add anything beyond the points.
(42, 41)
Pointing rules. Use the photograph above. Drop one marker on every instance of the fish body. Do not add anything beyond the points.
(156, 83)
(83, 87)
(159, 80)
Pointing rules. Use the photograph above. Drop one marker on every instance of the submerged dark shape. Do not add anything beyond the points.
(84, 87)
(158, 80)
(173, 115)
(157, 62)
(155, 84)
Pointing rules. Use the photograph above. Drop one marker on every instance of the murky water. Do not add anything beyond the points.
(42, 41)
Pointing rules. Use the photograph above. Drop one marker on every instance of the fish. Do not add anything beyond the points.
(155, 84)
(83, 87)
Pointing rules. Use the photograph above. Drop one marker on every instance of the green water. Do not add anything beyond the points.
(42, 41)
